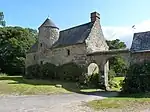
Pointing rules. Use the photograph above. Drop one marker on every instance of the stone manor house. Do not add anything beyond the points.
(70, 45)
(83, 45)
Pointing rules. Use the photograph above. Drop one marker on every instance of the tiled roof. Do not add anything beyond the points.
(75, 35)
(49, 22)
(141, 41)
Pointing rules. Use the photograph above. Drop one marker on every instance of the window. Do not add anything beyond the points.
(68, 52)
(41, 62)
(34, 57)
(41, 44)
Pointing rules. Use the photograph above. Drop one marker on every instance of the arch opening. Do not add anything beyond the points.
(118, 65)
(93, 68)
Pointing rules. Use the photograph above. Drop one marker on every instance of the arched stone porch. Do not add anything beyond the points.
(102, 60)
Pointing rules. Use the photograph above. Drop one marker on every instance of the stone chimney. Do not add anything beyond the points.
(95, 16)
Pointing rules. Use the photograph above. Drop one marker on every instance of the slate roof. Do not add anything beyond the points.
(49, 22)
(141, 42)
(34, 48)
(74, 35)
(71, 36)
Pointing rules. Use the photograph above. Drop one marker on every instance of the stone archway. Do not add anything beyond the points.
(102, 66)
(93, 68)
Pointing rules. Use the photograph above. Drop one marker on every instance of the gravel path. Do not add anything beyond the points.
(52, 103)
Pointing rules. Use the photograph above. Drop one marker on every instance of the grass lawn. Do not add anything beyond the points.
(17, 85)
(133, 102)
(129, 103)
(117, 80)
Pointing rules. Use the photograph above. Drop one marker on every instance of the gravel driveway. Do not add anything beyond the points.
(49, 103)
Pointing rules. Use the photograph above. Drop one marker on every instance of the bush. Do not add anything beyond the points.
(33, 71)
(69, 71)
(48, 70)
(94, 80)
(137, 79)
(111, 75)
(44, 71)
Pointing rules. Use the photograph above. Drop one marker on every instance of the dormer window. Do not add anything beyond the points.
(68, 52)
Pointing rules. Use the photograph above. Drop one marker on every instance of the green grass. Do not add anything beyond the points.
(117, 81)
(17, 85)
(132, 101)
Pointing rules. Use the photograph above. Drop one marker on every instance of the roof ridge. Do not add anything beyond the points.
(76, 26)
(141, 32)
(50, 23)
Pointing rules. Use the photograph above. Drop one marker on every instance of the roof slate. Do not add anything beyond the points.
(74, 35)
(71, 36)
(141, 41)
(49, 22)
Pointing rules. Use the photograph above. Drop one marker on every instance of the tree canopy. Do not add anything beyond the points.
(117, 63)
(14, 43)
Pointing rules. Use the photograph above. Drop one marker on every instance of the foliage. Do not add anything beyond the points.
(48, 70)
(111, 75)
(116, 44)
(137, 79)
(2, 21)
(69, 71)
(14, 43)
(33, 71)
(117, 83)
(94, 79)
(117, 63)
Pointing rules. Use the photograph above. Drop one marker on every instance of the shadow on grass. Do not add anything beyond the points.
(135, 95)
(69, 86)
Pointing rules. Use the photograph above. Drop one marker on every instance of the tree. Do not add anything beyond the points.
(117, 63)
(2, 22)
(116, 44)
(14, 43)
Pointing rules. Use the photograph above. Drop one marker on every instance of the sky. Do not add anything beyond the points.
(116, 16)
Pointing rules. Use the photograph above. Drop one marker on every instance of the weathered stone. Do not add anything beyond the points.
(79, 45)
(58, 86)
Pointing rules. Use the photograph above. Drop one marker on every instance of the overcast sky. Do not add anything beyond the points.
(117, 16)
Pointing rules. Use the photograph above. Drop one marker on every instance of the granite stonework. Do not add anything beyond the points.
(70, 45)
(83, 45)
(140, 49)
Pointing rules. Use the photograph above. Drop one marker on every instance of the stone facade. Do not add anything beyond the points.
(71, 45)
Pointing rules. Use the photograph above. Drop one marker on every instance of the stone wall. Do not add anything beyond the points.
(48, 36)
(96, 40)
(31, 59)
(59, 56)
(140, 57)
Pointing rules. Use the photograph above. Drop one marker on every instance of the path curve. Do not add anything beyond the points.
(49, 103)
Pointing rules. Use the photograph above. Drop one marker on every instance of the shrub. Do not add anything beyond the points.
(69, 71)
(111, 75)
(94, 79)
(33, 71)
(44, 71)
(137, 79)
(48, 70)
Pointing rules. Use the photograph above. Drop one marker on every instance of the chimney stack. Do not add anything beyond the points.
(95, 16)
